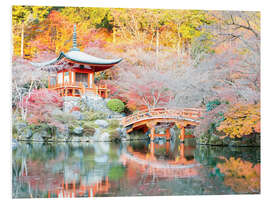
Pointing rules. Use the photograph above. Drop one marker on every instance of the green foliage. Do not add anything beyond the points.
(116, 105)
(91, 115)
(72, 125)
(113, 124)
(212, 104)
(64, 117)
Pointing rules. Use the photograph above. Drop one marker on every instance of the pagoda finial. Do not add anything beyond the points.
(74, 48)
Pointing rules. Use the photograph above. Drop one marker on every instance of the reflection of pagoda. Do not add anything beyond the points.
(55, 185)
(80, 190)
(75, 72)
(181, 166)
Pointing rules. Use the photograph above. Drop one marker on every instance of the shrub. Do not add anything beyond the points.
(212, 104)
(91, 116)
(113, 124)
(241, 120)
(116, 105)
(88, 129)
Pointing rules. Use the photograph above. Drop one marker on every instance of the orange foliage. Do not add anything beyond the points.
(241, 176)
(241, 120)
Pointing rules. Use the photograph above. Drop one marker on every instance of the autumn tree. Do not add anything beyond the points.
(25, 78)
(143, 87)
(241, 120)
(41, 106)
(25, 20)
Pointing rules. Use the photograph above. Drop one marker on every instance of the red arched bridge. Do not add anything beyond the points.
(148, 119)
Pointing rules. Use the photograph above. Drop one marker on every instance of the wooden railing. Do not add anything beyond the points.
(190, 113)
(98, 89)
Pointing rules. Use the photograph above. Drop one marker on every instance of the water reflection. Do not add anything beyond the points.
(132, 169)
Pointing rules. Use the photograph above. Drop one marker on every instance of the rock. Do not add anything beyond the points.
(79, 139)
(104, 137)
(26, 133)
(77, 115)
(102, 123)
(37, 137)
(78, 130)
(45, 135)
(123, 132)
(115, 136)
(14, 143)
(62, 135)
(70, 102)
(97, 132)
(20, 126)
(75, 139)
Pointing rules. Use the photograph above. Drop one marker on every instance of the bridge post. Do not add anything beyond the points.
(168, 135)
(152, 149)
(151, 126)
(181, 127)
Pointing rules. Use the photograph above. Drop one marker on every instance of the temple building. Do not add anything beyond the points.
(73, 73)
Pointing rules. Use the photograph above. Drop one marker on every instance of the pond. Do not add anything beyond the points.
(134, 168)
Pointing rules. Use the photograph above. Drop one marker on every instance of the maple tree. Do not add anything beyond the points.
(143, 88)
(41, 105)
(241, 120)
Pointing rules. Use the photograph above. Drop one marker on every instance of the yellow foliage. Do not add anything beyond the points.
(241, 176)
(241, 120)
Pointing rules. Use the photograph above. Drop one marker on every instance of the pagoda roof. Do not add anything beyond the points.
(74, 55)
(79, 57)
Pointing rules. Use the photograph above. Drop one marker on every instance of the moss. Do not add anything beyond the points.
(92, 116)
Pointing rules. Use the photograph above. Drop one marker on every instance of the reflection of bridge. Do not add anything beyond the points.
(148, 119)
(179, 167)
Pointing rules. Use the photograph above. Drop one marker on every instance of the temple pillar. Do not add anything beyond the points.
(88, 80)
(63, 73)
(70, 79)
(73, 91)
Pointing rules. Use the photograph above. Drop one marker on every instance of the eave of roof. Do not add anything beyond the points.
(79, 57)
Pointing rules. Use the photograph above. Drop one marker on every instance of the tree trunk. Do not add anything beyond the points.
(22, 39)
(157, 47)
(114, 32)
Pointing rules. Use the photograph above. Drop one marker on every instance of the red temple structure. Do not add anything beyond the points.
(75, 72)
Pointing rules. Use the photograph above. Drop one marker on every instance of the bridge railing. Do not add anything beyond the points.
(191, 113)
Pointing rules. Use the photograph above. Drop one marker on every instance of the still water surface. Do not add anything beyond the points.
(132, 169)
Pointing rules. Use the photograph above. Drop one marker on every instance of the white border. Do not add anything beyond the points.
(5, 68)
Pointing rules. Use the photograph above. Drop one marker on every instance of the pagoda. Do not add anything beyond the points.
(73, 73)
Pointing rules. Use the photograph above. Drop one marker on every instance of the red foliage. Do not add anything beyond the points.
(75, 108)
(40, 105)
